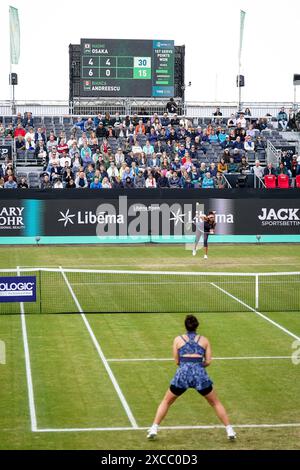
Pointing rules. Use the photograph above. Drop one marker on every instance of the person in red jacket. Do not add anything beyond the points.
(19, 131)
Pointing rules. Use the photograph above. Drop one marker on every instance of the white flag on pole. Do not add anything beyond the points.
(14, 29)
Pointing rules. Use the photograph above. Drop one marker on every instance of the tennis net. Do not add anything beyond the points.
(64, 290)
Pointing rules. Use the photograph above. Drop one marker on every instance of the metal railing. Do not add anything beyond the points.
(258, 182)
(130, 106)
(273, 154)
(227, 182)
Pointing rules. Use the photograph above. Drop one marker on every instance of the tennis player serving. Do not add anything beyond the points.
(192, 354)
(208, 228)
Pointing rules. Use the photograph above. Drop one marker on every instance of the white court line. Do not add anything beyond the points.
(233, 358)
(173, 428)
(285, 330)
(101, 354)
(186, 263)
(28, 367)
(187, 283)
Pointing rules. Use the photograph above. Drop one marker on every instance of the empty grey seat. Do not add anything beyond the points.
(37, 121)
(21, 174)
(20, 154)
(67, 120)
(30, 153)
(47, 120)
(7, 120)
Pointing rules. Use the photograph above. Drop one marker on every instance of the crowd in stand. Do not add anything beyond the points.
(151, 151)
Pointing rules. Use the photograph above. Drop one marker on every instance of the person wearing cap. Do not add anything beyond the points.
(175, 164)
(45, 182)
(165, 120)
(172, 106)
(139, 179)
(101, 131)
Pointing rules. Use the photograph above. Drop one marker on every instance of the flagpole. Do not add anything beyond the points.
(10, 72)
(14, 37)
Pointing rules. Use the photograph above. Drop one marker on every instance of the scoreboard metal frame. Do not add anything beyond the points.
(137, 68)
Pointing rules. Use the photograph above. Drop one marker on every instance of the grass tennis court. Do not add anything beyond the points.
(95, 380)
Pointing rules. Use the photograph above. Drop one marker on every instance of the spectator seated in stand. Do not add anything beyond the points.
(222, 166)
(282, 119)
(258, 170)
(28, 120)
(244, 166)
(269, 170)
(220, 181)
(283, 170)
(207, 181)
(232, 166)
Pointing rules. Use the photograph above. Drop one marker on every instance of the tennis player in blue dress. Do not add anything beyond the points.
(192, 353)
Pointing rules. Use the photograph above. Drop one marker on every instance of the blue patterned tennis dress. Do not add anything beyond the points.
(191, 373)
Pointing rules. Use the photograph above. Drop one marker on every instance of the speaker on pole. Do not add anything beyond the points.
(240, 80)
(296, 80)
(13, 79)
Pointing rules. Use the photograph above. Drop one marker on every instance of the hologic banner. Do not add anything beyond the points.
(18, 289)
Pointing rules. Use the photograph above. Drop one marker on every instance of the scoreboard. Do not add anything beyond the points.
(137, 68)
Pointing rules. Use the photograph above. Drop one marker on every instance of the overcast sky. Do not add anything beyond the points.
(209, 31)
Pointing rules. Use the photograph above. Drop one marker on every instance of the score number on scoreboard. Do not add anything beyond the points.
(117, 67)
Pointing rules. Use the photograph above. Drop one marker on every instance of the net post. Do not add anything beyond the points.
(40, 285)
(256, 291)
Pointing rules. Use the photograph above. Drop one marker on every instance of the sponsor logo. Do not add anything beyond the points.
(138, 218)
(5, 151)
(90, 218)
(283, 216)
(66, 218)
(11, 218)
(18, 289)
(11, 289)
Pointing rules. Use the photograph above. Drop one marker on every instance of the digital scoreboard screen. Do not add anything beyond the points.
(123, 67)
